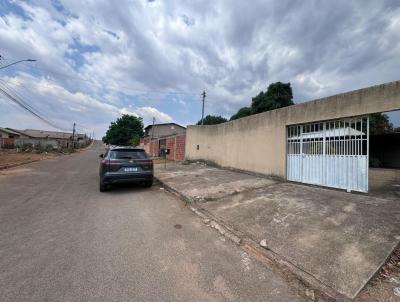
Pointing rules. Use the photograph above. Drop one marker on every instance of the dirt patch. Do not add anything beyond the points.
(161, 160)
(11, 157)
(382, 287)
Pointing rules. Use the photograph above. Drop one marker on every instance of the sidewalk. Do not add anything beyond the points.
(341, 240)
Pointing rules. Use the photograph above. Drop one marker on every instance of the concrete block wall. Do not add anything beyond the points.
(257, 143)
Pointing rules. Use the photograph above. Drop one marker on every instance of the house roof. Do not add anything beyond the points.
(163, 124)
(9, 131)
(348, 131)
(45, 134)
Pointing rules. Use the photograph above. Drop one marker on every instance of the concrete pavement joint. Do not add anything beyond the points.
(306, 284)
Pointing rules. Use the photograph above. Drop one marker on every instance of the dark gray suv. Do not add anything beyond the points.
(125, 165)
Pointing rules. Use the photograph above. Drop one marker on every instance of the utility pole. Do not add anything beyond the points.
(73, 137)
(152, 135)
(202, 110)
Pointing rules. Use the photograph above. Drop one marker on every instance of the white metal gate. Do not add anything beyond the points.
(331, 153)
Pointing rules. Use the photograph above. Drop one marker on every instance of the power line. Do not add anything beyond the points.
(95, 84)
(120, 86)
(18, 98)
(6, 85)
(30, 109)
(17, 94)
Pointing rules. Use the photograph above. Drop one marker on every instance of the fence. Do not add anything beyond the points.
(10, 143)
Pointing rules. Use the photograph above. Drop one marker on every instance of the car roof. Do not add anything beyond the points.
(112, 148)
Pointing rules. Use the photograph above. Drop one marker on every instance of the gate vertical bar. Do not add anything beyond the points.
(301, 153)
(324, 168)
(367, 161)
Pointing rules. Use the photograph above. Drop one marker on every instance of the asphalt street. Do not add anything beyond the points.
(63, 240)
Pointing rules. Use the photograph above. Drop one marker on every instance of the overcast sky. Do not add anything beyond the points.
(100, 59)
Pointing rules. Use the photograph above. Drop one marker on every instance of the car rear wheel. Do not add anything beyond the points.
(102, 187)
(148, 183)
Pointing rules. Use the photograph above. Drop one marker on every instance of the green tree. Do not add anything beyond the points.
(278, 95)
(245, 111)
(213, 120)
(127, 130)
(379, 123)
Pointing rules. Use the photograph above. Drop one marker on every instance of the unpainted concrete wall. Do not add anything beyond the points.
(258, 143)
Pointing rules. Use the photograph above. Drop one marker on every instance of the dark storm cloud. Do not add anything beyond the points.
(233, 49)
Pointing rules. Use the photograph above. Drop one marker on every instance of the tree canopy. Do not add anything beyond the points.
(379, 123)
(213, 120)
(278, 95)
(126, 131)
(244, 111)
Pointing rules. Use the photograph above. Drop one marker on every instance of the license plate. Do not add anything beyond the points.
(130, 169)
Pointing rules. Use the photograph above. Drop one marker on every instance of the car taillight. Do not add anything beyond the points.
(110, 162)
(147, 161)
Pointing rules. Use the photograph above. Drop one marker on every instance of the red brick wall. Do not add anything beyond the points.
(177, 152)
(7, 142)
(170, 145)
(180, 147)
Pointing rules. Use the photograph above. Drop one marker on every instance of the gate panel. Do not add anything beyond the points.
(332, 153)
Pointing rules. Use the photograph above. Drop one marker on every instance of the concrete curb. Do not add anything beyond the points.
(208, 220)
(304, 282)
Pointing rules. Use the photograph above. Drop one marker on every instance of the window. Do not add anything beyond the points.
(128, 154)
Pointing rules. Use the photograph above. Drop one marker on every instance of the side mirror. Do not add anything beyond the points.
(101, 155)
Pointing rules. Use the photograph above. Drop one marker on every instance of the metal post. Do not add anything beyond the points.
(152, 136)
(73, 137)
(202, 110)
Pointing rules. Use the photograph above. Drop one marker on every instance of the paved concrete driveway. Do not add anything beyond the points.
(339, 238)
(62, 240)
(200, 182)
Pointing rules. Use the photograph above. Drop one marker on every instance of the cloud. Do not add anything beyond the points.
(103, 64)
(60, 105)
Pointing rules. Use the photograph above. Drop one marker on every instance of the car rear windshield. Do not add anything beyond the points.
(128, 154)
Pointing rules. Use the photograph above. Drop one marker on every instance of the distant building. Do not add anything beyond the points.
(7, 138)
(7, 133)
(169, 136)
(160, 130)
(56, 139)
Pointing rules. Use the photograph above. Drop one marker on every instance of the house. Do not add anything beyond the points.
(160, 130)
(170, 136)
(7, 137)
(55, 139)
(7, 133)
